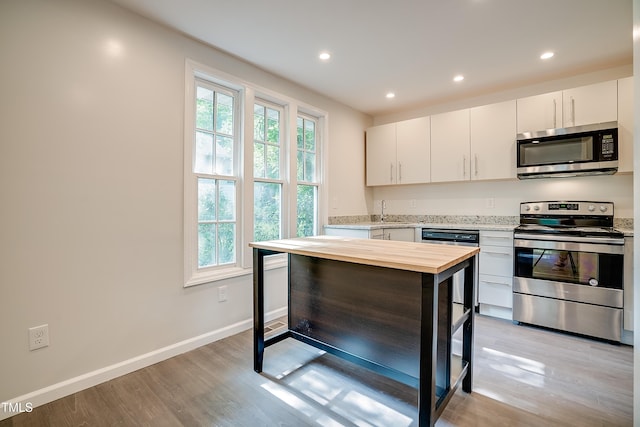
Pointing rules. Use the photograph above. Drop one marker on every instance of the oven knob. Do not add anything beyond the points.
(527, 208)
(536, 208)
(603, 208)
(592, 208)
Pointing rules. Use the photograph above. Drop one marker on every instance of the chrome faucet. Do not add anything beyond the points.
(382, 206)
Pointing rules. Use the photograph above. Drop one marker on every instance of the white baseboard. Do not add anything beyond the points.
(27, 402)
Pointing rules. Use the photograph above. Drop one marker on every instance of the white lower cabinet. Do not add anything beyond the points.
(495, 273)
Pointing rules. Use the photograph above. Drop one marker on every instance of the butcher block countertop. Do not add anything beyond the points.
(420, 257)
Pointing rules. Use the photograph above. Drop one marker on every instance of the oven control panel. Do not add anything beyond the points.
(566, 208)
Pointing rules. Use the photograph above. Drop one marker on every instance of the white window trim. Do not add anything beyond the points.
(248, 92)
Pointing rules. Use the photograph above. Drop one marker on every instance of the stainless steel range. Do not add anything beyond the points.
(569, 268)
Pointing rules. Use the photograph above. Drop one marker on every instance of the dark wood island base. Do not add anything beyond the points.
(393, 315)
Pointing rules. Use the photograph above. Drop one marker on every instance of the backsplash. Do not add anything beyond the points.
(621, 223)
(442, 219)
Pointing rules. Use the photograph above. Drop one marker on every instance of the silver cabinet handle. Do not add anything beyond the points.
(495, 283)
(399, 172)
(573, 111)
(390, 172)
(476, 161)
(464, 166)
(555, 113)
(497, 253)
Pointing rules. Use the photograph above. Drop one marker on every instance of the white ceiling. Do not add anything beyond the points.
(411, 47)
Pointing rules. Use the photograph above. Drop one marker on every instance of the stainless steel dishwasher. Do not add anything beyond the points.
(440, 236)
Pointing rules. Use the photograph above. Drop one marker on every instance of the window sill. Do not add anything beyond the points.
(272, 262)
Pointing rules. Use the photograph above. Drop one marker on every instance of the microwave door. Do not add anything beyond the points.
(556, 152)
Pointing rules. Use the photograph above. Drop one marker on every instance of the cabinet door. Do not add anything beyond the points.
(401, 234)
(493, 141)
(590, 104)
(540, 112)
(413, 139)
(496, 260)
(450, 150)
(625, 125)
(381, 155)
(495, 290)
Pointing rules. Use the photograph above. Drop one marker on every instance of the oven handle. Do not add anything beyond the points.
(558, 238)
(569, 246)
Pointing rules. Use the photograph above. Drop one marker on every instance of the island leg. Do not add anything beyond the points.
(428, 352)
(258, 309)
(467, 334)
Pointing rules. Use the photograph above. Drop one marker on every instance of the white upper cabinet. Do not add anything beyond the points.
(539, 112)
(381, 155)
(413, 151)
(579, 106)
(625, 125)
(595, 103)
(450, 149)
(493, 141)
(398, 153)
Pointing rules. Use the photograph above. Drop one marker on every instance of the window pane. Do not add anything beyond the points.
(224, 113)
(204, 153)
(267, 211)
(226, 243)
(224, 155)
(309, 167)
(206, 245)
(258, 160)
(273, 126)
(273, 162)
(206, 199)
(227, 207)
(300, 133)
(307, 200)
(300, 166)
(258, 122)
(204, 108)
(309, 135)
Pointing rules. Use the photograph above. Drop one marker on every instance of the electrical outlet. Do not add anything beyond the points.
(491, 203)
(412, 203)
(38, 337)
(222, 293)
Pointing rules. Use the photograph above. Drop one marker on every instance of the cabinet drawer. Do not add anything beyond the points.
(495, 290)
(496, 238)
(496, 260)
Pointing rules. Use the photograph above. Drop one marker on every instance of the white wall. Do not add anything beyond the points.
(472, 198)
(91, 190)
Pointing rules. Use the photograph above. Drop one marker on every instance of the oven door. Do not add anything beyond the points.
(575, 271)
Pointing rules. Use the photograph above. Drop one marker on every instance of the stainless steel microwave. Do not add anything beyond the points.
(581, 150)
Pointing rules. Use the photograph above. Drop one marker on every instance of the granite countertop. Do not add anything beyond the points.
(460, 226)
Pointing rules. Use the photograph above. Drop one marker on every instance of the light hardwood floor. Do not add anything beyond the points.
(524, 376)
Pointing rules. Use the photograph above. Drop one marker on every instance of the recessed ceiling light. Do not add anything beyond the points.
(458, 78)
(391, 95)
(546, 55)
(325, 56)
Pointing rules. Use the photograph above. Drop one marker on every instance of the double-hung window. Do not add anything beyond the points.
(268, 187)
(215, 168)
(307, 176)
(252, 172)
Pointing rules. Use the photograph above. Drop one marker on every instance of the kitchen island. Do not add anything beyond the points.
(385, 305)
